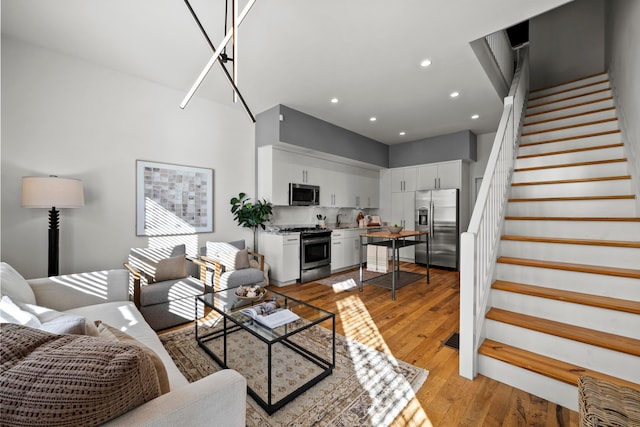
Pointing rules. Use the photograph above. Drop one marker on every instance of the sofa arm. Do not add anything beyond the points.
(217, 400)
(78, 290)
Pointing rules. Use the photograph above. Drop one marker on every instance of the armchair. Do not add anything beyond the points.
(162, 289)
(229, 265)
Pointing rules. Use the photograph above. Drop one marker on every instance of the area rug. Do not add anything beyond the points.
(366, 388)
(348, 281)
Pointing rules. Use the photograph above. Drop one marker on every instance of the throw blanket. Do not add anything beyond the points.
(70, 380)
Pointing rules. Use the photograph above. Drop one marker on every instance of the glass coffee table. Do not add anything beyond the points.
(279, 363)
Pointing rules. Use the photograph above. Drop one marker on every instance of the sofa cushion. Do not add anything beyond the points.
(247, 276)
(170, 290)
(56, 322)
(10, 312)
(110, 333)
(14, 285)
(73, 380)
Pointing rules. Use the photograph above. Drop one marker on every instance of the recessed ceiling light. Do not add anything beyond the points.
(334, 100)
(475, 116)
(403, 133)
(425, 63)
(372, 119)
(454, 94)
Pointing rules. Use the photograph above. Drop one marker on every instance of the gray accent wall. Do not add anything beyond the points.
(567, 43)
(452, 146)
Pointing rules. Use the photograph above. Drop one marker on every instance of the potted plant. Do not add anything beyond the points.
(251, 215)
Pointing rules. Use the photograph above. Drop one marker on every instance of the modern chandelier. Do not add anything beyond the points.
(220, 53)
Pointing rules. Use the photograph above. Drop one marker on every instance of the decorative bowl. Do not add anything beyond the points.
(395, 230)
(250, 293)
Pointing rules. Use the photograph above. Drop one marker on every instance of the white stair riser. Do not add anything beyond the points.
(599, 319)
(611, 256)
(596, 284)
(572, 172)
(570, 85)
(578, 208)
(570, 132)
(577, 109)
(572, 157)
(569, 121)
(547, 388)
(591, 188)
(537, 99)
(621, 365)
(570, 144)
(604, 230)
(569, 102)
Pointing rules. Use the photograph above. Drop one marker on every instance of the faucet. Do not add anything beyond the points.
(338, 220)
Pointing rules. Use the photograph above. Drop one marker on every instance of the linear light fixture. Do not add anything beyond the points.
(218, 51)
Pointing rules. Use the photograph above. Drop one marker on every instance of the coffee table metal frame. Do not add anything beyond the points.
(234, 321)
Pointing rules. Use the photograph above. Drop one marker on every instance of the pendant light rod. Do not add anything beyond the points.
(216, 55)
(220, 61)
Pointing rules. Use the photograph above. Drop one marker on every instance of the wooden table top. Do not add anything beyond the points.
(388, 235)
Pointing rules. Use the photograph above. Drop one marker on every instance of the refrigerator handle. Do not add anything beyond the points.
(431, 218)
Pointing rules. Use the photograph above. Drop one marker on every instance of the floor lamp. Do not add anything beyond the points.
(51, 193)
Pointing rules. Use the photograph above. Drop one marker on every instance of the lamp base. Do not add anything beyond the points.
(54, 232)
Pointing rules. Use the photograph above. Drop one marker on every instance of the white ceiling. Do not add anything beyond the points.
(299, 53)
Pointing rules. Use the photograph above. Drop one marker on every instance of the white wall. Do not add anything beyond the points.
(72, 118)
(567, 43)
(623, 61)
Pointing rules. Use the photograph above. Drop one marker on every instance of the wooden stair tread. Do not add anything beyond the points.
(580, 104)
(564, 330)
(570, 138)
(572, 181)
(567, 241)
(570, 116)
(572, 198)
(608, 303)
(577, 125)
(569, 82)
(573, 150)
(582, 268)
(568, 165)
(570, 89)
(552, 368)
(568, 98)
(572, 218)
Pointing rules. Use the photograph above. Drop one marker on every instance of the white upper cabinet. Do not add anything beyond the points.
(440, 175)
(403, 179)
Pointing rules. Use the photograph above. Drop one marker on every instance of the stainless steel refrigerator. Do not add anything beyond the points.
(437, 211)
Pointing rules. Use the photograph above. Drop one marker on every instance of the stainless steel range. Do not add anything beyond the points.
(315, 252)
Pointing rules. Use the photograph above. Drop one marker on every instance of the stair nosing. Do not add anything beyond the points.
(570, 218)
(604, 73)
(581, 104)
(583, 268)
(574, 126)
(567, 331)
(571, 198)
(570, 138)
(570, 89)
(568, 98)
(608, 303)
(572, 150)
(569, 372)
(572, 241)
(568, 165)
(572, 181)
(570, 116)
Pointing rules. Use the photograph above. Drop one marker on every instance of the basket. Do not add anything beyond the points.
(602, 403)
(261, 292)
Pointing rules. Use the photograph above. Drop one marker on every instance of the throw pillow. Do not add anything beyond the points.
(11, 313)
(70, 380)
(229, 255)
(170, 269)
(242, 259)
(56, 322)
(14, 285)
(110, 333)
(159, 264)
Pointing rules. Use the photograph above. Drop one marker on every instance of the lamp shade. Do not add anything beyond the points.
(51, 191)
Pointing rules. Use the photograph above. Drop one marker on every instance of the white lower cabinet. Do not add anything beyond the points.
(282, 253)
(345, 248)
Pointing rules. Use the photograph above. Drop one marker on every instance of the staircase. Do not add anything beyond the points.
(566, 301)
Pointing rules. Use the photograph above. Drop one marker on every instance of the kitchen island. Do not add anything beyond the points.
(396, 278)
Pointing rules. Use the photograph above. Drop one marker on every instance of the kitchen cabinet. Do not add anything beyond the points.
(403, 214)
(282, 253)
(440, 175)
(345, 248)
(403, 179)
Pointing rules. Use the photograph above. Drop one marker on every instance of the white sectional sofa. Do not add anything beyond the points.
(219, 399)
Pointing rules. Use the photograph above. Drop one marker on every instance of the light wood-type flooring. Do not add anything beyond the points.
(413, 328)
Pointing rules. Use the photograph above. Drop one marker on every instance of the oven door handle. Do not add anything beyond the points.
(316, 240)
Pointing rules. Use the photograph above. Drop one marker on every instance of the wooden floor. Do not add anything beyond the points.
(413, 328)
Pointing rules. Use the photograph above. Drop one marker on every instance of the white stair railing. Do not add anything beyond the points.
(479, 245)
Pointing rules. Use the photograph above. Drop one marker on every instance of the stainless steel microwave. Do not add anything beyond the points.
(304, 195)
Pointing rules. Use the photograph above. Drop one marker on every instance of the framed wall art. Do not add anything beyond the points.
(173, 199)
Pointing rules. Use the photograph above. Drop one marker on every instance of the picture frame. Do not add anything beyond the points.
(173, 199)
